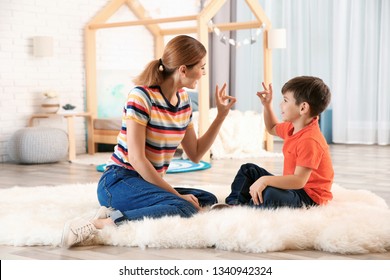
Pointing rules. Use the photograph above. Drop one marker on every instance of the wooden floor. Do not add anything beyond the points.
(356, 167)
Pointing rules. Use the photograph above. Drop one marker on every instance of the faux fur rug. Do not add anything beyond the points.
(356, 221)
(232, 141)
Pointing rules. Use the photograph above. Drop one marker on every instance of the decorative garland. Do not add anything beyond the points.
(224, 39)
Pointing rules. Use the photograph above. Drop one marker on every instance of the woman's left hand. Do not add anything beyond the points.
(224, 101)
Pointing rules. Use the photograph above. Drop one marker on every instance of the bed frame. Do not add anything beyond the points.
(104, 136)
(201, 28)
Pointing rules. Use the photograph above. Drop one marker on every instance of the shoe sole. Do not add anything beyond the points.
(66, 229)
(219, 206)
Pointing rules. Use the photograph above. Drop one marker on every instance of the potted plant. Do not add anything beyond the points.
(50, 103)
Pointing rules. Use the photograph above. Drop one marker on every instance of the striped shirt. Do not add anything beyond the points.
(165, 125)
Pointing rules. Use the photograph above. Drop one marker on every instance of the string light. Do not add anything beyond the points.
(225, 40)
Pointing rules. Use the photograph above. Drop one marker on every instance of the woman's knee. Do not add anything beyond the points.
(185, 209)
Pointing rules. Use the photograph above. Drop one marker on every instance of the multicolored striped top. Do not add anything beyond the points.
(165, 124)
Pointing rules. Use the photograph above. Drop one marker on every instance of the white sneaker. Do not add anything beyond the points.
(77, 231)
(102, 213)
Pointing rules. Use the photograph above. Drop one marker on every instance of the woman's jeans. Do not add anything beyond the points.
(272, 196)
(134, 198)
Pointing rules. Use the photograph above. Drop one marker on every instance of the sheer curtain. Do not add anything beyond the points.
(361, 72)
(346, 43)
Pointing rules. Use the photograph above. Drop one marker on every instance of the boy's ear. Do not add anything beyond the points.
(304, 108)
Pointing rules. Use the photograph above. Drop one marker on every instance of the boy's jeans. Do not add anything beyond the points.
(134, 198)
(272, 197)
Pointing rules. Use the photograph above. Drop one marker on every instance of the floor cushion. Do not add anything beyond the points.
(38, 145)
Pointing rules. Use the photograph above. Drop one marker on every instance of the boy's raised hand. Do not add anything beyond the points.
(265, 95)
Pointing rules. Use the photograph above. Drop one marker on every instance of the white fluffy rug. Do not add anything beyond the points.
(232, 141)
(356, 221)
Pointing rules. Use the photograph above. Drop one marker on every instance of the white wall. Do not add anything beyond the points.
(23, 77)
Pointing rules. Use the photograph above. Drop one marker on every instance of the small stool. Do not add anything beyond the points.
(38, 145)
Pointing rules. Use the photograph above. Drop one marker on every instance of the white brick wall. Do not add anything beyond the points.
(24, 77)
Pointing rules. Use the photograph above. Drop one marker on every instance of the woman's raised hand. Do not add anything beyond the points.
(224, 101)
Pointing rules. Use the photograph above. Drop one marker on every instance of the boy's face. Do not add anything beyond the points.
(290, 111)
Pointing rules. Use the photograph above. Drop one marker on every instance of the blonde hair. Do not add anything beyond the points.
(181, 50)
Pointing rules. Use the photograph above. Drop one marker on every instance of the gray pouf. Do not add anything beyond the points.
(38, 145)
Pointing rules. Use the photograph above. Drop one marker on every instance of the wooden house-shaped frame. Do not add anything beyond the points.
(201, 28)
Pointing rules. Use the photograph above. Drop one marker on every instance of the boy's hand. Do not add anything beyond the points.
(256, 190)
(265, 95)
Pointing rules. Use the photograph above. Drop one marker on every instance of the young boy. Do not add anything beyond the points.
(308, 173)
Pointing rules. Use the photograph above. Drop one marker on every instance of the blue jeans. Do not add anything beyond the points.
(134, 198)
(272, 197)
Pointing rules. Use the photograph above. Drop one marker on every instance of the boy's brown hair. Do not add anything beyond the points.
(311, 90)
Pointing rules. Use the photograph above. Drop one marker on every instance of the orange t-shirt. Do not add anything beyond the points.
(308, 148)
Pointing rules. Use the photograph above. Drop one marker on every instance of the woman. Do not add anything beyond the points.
(157, 117)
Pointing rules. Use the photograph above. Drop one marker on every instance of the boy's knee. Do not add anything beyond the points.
(247, 166)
